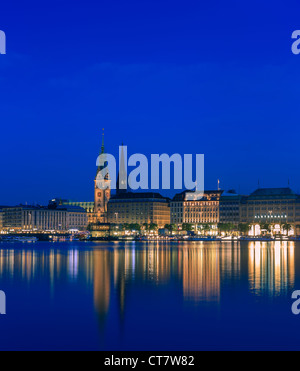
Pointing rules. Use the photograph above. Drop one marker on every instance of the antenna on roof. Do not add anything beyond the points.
(218, 184)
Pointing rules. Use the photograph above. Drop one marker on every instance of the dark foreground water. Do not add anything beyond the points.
(148, 296)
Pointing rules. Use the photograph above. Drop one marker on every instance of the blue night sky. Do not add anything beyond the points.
(217, 78)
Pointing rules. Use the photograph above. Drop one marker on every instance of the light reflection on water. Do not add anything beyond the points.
(200, 267)
(119, 274)
(271, 268)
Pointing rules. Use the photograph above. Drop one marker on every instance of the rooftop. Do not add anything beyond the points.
(138, 196)
(273, 193)
(181, 196)
(231, 195)
(39, 207)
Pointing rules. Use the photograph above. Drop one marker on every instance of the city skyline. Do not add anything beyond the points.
(166, 88)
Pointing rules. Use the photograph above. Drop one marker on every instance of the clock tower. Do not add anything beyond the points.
(102, 191)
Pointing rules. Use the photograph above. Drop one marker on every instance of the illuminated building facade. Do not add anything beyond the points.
(139, 208)
(1, 218)
(205, 210)
(87, 206)
(272, 205)
(275, 207)
(38, 218)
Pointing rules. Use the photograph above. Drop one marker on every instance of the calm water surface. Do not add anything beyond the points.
(149, 296)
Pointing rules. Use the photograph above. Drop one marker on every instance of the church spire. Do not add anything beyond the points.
(102, 153)
(102, 147)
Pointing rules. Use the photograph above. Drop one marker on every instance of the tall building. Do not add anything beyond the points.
(205, 210)
(102, 191)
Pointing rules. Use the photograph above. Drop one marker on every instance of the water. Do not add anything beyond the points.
(149, 296)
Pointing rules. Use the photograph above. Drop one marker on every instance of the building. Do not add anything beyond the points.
(76, 217)
(230, 207)
(88, 206)
(271, 205)
(39, 218)
(266, 210)
(205, 210)
(1, 216)
(139, 208)
(127, 207)
(102, 192)
(100, 230)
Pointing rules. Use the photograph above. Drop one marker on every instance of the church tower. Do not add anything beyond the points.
(102, 193)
